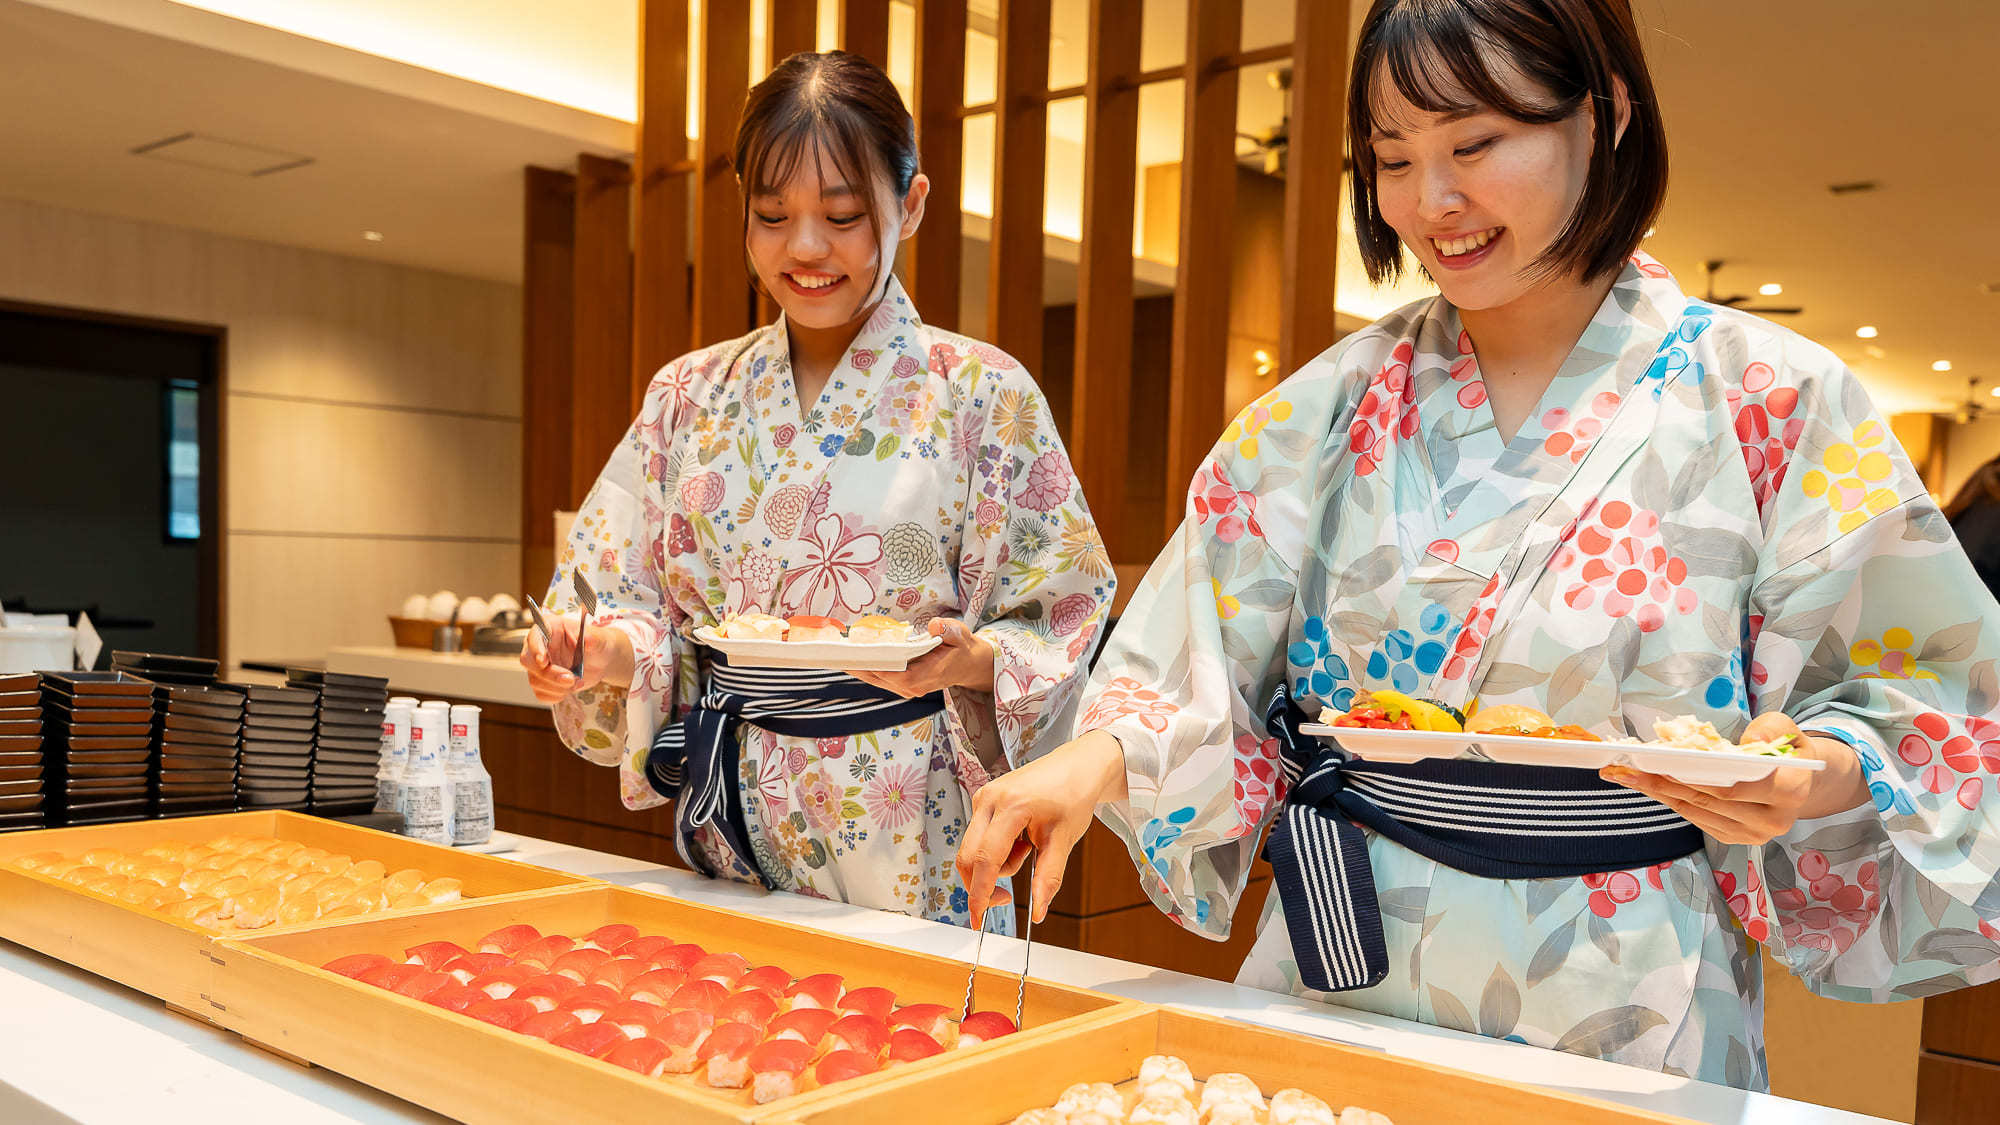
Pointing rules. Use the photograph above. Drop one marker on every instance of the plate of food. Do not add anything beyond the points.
(1388, 726)
(869, 644)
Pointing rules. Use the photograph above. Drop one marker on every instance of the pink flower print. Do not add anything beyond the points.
(820, 800)
(906, 367)
(1020, 698)
(656, 467)
(702, 493)
(906, 408)
(988, 512)
(1258, 780)
(785, 509)
(1950, 761)
(838, 572)
(1069, 614)
(1125, 696)
(1748, 914)
(863, 359)
(943, 359)
(1472, 637)
(1445, 549)
(785, 435)
(1465, 372)
(1766, 429)
(747, 578)
(1387, 407)
(1234, 511)
(816, 507)
(1618, 559)
(774, 782)
(680, 536)
(896, 796)
(1836, 912)
(1611, 890)
(1572, 437)
(993, 358)
(1049, 481)
(907, 599)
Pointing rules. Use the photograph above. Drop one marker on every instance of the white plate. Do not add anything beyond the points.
(1695, 767)
(836, 656)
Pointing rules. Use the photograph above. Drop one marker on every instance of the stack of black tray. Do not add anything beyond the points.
(97, 746)
(191, 671)
(275, 770)
(22, 801)
(201, 731)
(347, 748)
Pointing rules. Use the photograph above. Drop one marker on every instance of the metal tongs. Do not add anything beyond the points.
(1020, 985)
(586, 599)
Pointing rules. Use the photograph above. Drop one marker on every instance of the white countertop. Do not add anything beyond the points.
(74, 1033)
(457, 675)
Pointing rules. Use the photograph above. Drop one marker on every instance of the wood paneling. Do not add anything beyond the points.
(794, 28)
(1020, 148)
(1956, 1091)
(1208, 186)
(1100, 400)
(1318, 122)
(601, 320)
(939, 94)
(660, 313)
(864, 29)
(721, 290)
(1144, 935)
(1964, 1023)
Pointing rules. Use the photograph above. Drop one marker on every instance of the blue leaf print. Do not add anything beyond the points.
(1405, 659)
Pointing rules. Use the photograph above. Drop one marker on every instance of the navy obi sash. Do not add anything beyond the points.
(695, 760)
(1485, 818)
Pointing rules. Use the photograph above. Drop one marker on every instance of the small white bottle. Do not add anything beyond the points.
(471, 785)
(426, 804)
(396, 720)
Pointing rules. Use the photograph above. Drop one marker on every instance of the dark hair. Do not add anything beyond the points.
(1436, 54)
(840, 108)
(1982, 487)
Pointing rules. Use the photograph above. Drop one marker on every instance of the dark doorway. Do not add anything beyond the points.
(110, 475)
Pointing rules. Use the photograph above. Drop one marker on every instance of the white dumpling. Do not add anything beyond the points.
(1092, 1097)
(1231, 1113)
(1163, 1111)
(1229, 1088)
(1160, 1072)
(1296, 1107)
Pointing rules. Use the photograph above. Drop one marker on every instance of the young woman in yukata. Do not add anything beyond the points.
(1565, 484)
(846, 460)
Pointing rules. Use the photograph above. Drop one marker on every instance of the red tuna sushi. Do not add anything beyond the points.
(646, 1056)
(752, 1006)
(775, 1068)
(907, 1044)
(356, 965)
(843, 1065)
(509, 939)
(433, 955)
(508, 1013)
(656, 986)
(579, 964)
(727, 1053)
(807, 1025)
(821, 990)
(593, 1039)
(473, 965)
(544, 951)
(983, 1027)
(609, 937)
(548, 1025)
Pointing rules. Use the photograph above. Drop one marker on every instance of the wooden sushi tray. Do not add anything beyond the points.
(273, 992)
(176, 960)
(1016, 1076)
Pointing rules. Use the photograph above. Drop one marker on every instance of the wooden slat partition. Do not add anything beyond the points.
(547, 280)
(601, 300)
(721, 291)
(794, 27)
(937, 252)
(1020, 161)
(660, 205)
(1201, 285)
(864, 29)
(1101, 398)
(1312, 181)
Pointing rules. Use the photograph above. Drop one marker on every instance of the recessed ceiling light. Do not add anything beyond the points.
(1875, 352)
(1941, 365)
(1995, 392)
(1770, 289)
(372, 235)
(1866, 332)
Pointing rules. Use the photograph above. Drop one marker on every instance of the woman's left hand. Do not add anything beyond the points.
(1755, 812)
(965, 659)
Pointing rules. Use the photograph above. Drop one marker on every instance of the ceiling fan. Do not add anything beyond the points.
(1972, 407)
(1273, 143)
(1735, 301)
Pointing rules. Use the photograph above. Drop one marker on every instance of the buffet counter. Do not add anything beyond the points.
(461, 676)
(85, 1049)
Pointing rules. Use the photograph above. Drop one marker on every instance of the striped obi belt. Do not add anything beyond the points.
(1484, 818)
(695, 760)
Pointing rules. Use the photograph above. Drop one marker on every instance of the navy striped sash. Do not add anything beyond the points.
(1485, 818)
(694, 760)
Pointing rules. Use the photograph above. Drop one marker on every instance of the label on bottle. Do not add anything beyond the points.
(472, 811)
(425, 814)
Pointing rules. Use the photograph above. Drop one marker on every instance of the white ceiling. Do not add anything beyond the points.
(420, 116)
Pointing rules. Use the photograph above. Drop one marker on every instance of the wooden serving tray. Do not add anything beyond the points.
(175, 960)
(1015, 1076)
(272, 992)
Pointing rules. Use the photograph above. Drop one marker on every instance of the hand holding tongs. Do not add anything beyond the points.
(1021, 985)
(587, 600)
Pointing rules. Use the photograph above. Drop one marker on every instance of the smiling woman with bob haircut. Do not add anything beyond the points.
(1564, 486)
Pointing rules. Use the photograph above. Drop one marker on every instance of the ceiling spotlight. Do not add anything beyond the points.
(1770, 289)
(1941, 365)
(372, 235)
(1866, 332)
(1995, 392)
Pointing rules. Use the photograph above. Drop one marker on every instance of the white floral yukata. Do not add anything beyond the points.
(1704, 515)
(927, 480)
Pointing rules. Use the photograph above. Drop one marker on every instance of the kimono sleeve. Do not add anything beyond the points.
(1186, 676)
(1869, 625)
(1036, 581)
(618, 542)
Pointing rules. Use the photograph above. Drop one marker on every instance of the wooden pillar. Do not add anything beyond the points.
(1201, 286)
(1312, 181)
(721, 291)
(660, 219)
(794, 27)
(1101, 395)
(939, 95)
(601, 318)
(864, 29)
(1020, 160)
(549, 237)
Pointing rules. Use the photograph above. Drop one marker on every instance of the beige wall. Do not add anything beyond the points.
(372, 428)
(1969, 446)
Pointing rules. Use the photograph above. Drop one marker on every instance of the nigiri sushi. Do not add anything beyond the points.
(751, 1005)
(545, 992)
(548, 1025)
(433, 954)
(727, 1055)
(368, 870)
(983, 1027)
(769, 978)
(644, 948)
(655, 987)
(504, 981)
(702, 995)
(683, 1033)
(839, 1066)
(858, 1032)
(621, 972)
(509, 939)
(808, 628)
(821, 990)
(807, 1025)
(635, 1018)
(579, 964)
(402, 882)
(907, 1044)
(544, 951)
(456, 997)
(593, 1039)
(471, 965)
(683, 957)
(441, 892)
(609, 938)
(934, 1020)
(877, 1002)
(389, 976)
(589, 1002)
(645, 1056)
(356, 965)
(723, 968)
(507, 1013)
(420, 984)
(775, 1068)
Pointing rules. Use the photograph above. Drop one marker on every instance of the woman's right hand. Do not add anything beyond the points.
(1045, 806)
(607, 658)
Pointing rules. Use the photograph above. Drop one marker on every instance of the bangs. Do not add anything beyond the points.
(772, 158)
(1439, 59)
